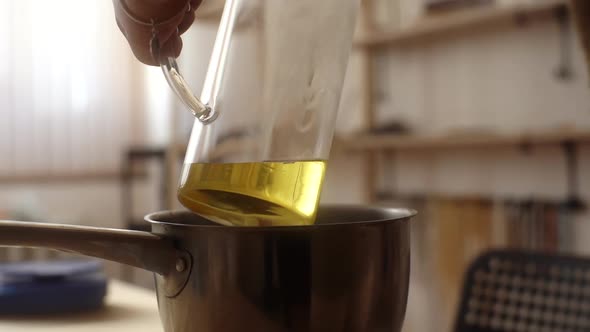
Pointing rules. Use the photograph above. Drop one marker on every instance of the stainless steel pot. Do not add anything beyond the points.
(349, 272)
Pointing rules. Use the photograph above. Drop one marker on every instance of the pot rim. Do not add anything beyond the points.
(386, 215)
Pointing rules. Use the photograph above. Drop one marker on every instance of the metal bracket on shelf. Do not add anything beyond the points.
(564, 70)
(387, 176)
(526, 148)
(573, 201)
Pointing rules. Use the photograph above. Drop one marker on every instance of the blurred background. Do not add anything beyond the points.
(475, 113)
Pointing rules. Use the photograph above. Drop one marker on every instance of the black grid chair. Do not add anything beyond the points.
(516, 291)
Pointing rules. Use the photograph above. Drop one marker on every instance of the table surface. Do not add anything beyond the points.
(127, 308)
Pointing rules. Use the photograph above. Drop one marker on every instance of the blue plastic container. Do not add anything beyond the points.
(51, 287)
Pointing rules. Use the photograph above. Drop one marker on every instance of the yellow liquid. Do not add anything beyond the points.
(254, 194)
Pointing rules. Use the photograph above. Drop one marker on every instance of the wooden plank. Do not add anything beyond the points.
(462, 20)
(398, 142)
(72, 177)
(60, 177)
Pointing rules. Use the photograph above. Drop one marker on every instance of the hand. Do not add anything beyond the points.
(171, 17)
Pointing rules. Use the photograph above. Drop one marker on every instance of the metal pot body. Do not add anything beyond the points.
(349, 272)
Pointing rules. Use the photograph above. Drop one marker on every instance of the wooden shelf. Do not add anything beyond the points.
(468, 19)
(61, 177)
(399, 142)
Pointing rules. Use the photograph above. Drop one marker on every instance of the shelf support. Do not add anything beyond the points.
(573, 201)
(564, 70)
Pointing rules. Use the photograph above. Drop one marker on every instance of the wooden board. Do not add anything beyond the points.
(61, 177)
(399, 142)
(462, 20)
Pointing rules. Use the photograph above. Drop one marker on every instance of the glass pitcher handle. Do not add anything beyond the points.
(201, 111)
(205, 112)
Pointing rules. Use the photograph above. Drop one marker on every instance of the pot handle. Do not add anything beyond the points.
(139, 249)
